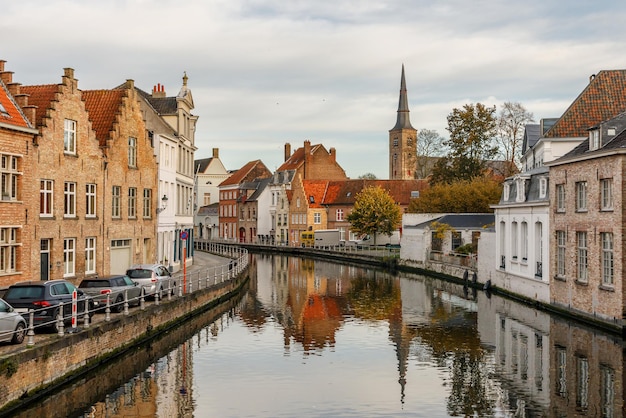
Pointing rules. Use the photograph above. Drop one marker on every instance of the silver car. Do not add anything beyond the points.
(116, 287)
(12, 324)
(155, 278)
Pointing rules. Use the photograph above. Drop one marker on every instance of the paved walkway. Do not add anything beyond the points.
(201, 261)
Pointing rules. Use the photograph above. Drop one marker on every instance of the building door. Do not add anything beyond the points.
(44, 260)
(242, 235)
(120, 256)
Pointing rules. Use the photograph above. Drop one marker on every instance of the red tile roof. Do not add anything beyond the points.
(343, 192)
(315, 189)
(103, 107)
(297, 158)
(244, 172)
(12, 114)
(602, 99)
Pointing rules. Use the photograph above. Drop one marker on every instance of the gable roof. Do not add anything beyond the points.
(343, 192)
(200, 166)
(40, 96)
(244, 173)
(532, 133)
(296, 159)
(103, 107)
(462, 221)
(10, 112)
(315, 190)
(603, 98)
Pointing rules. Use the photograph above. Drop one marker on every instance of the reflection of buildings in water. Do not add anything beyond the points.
(520, 337)
(183, 367)
(587, 371)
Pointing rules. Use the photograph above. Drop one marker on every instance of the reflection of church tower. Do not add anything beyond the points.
(402, 141)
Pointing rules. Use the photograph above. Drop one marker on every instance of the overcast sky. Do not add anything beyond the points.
(266, 72)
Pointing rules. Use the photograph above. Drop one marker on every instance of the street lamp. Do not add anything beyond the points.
(163, 204)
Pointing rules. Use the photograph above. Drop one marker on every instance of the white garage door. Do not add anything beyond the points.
(120, 256)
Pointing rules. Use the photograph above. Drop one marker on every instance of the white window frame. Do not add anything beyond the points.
(582, 260)
(69, 136)
(560, 197)
(581, 196)
(132, 202)
(69, 257)
(317, 218)
(561, 246)
(132, 152)
(90, 255)
(339, 216)
(594, 139)
(116, 196)
(543, 187)
(9, 244)
(606, 194)
(90, 200)
(524, 238)
(69, 199)
(46, 198)
(608, 259)
(514, 240)
(147, 203)
(9, 167)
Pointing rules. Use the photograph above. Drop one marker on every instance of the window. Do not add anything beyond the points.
(132, 202)
(115, 201)
(9, 243)
(45, 197)
(581, 260)
(607, 391)
(514, 240)
(395, 142)
(561, 372)
(594, 139)
(207, 199)
(90, 255)
(409, 141)
(543, 187)
(132, 152)
(69, 137)
(607, 258)
(582, 382)
(456, 240)
(507, 191)
(69, 259)
(560, 198)
(606, 194)
(340, 214)
(560, 253)
(298, 202)
(147, 203)
(90, 200)
(581, 196)
(317, 218)
(69, 199)
(524, 233)
(10, 176)
(502, 231)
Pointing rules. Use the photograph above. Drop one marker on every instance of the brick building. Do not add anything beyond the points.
(18, 190)
(403, 140)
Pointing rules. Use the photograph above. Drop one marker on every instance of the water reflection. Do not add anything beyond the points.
(311, 338)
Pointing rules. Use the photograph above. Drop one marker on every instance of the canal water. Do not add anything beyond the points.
(317, 339)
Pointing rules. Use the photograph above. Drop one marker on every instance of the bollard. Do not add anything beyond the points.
(157, 296)
(31, 329)
(169, 291)
(107, 310)
(86, 316)
(142, 301)
(180, 290)
(126, 313)
(60, 324)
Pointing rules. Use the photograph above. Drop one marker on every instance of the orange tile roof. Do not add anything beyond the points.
(242, 174)
(602, 99)
(103, 107)
(13, 114)
(297, 159)
(317, 189)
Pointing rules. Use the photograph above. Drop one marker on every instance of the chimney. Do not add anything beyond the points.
(216, 153)
(2, 62)
(287, 151)
(158, 91)
(333, 154)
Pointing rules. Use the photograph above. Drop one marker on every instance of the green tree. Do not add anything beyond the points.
(368, 176)
(374, 212)
(472, 131)
(464, 196)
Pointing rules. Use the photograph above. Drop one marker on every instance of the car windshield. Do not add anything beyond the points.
(24, 292)
(139, 274)
(94, 283)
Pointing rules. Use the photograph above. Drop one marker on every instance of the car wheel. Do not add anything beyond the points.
(119, 304)
(18, 336)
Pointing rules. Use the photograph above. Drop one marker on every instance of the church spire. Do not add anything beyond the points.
(403, 121)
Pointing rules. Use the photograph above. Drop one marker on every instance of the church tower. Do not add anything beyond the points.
(402, 141)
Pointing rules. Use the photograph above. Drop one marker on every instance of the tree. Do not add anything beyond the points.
(368, 176)
(464, 196)
(374, 212)
(511, 122)
(429, 147)
(472, 130)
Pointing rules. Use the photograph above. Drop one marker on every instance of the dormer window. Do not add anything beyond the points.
(507, 189)
(521, 190)
(543, 187)
(594, 139)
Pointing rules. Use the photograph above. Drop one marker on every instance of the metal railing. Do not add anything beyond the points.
(457, 259)
(186, 282)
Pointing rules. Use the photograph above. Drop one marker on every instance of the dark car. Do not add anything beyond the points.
(45, 299)
(116, 287)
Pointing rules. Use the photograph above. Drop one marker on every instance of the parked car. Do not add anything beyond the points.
(155, 278)
(116, 287)
(45, 298)
(12, 324)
